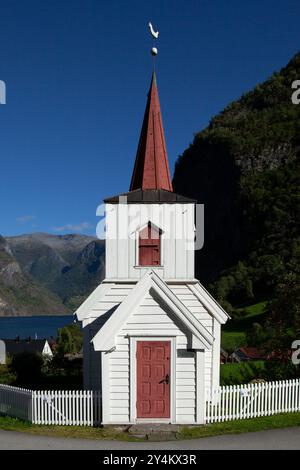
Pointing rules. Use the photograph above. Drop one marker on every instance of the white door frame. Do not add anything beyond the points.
(133, 379)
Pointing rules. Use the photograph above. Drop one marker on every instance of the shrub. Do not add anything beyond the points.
(27, 366)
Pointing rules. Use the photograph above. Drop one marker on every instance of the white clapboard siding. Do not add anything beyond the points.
(252, 400)
(187, 297)
(177, 224)
(119, 381)
(208, 364)
(152, 320)
(66, 408)
(185, 387)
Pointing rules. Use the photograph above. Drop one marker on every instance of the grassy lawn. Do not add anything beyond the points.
(240, 426)
(233, 334)
(79, 432)
(185, 432)
(232, 340)
(242, 372)
(255, 309)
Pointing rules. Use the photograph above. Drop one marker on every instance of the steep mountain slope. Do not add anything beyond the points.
(84, 275)
(244, 167)
(68, 265)
(19, 294)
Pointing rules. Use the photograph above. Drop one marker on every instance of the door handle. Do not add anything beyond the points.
(166, 380)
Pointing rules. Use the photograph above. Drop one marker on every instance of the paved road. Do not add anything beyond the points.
(274, 439)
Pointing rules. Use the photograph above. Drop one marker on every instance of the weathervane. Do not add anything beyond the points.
(155, 35)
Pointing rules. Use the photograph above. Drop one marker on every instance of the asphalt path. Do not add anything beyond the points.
(285, 439)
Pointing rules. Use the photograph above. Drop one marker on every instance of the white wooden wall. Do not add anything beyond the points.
(123, 222)
(149, 319)
(186, 296)
(185, 387)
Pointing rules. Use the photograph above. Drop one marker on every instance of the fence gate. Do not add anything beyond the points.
(252, 400)
(76, 408)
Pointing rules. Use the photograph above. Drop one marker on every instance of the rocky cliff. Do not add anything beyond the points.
(70, 266)
(19, 293)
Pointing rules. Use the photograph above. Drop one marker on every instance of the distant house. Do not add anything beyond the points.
(52, 344)
(224, 356)
(248, 354)
(11, 347)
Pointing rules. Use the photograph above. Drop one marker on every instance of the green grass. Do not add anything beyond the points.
(241, 426)
(255, 309)
(185, 432)
(233, 334)
(232, 340)
(242, 372)
(79, 432)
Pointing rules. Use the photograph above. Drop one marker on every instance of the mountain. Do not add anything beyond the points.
(244, 167)
(19, 294)
(70, 266)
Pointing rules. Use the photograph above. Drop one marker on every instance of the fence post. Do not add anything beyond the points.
(32, 407)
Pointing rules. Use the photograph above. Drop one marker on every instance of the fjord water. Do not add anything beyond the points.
(43, 326)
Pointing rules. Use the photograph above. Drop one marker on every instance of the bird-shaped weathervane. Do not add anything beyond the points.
(155, 35)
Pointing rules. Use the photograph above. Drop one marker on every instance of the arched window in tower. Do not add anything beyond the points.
(150, 246)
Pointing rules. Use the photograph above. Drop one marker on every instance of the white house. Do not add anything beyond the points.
(151, 330)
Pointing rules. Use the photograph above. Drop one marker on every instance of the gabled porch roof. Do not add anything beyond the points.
(104, 340)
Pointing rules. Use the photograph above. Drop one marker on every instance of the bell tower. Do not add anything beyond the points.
(150, 322)
(150, 226)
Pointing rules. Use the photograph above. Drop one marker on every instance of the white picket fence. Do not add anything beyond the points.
(83, 408)
(252, 400)
(66, 408)
(77, 408)
(16, 402)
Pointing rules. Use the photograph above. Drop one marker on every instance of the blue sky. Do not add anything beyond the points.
(77, 73)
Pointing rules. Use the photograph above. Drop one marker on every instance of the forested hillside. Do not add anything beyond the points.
(244, 167)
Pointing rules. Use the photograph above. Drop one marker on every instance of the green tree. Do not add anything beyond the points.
(283, 321)
(28, 367)
(69, 340)
(256, 335)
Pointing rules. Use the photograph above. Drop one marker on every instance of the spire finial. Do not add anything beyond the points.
(155, 35)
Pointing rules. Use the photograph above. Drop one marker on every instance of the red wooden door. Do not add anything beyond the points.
(153, 379)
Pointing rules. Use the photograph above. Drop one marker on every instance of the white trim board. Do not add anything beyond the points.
(209, 302)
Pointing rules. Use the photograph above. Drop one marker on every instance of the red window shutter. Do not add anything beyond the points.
(149, 247)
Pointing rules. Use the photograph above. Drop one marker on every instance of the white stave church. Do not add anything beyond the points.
(151, 331)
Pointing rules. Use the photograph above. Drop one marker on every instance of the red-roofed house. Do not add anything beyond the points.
(248, 354)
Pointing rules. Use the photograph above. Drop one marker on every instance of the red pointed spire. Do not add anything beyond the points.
(151, 169)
